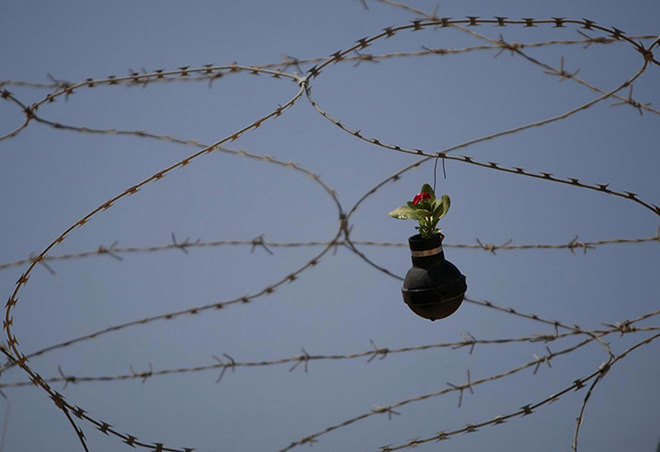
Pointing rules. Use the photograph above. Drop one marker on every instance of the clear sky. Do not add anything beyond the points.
(341, 306)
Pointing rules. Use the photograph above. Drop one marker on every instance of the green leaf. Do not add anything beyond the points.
(421, 212)
(441, 206)
(438, 208)
(404, 213)
(426, 188)
(447, 202)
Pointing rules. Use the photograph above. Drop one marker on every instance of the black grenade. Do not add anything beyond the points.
(433, 288)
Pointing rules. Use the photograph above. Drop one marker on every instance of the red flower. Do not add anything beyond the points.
(419, 197)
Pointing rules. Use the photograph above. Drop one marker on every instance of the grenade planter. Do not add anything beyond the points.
(433, 288)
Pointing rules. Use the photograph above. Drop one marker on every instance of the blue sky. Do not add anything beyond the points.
(50, 178)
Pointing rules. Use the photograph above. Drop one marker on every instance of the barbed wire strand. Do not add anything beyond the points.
(375, 352)
(289, 61)
(468, 341)
(116, 251)
(7, 95)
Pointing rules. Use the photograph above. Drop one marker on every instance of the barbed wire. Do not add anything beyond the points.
(229, 363)
(355, 54)
(115, 251)
(290, 61)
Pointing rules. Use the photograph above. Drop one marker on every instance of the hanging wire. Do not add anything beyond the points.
(435, 170)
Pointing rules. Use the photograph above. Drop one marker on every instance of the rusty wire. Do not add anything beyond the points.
(356, 55)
